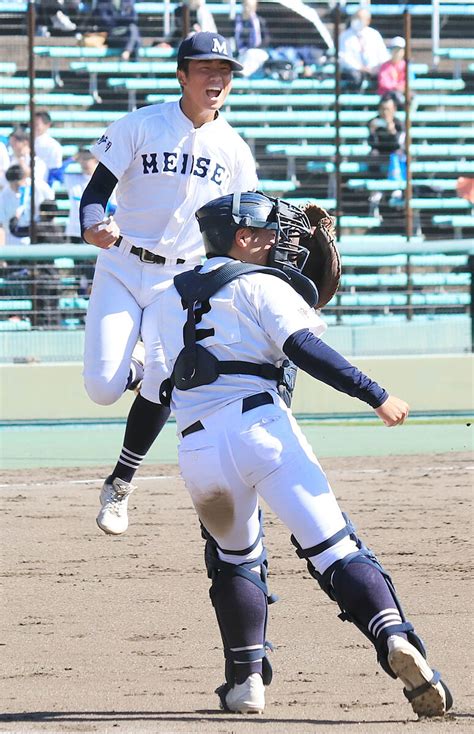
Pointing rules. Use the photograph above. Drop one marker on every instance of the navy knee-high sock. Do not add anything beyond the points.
(144, 423)
(367, 597)
(241, 610)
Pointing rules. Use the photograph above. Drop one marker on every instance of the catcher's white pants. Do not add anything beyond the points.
(239, 456)
(123, 305)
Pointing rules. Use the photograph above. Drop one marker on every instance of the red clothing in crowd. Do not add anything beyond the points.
(391, 77)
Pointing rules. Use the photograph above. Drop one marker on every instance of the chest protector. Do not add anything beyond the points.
(195, 365)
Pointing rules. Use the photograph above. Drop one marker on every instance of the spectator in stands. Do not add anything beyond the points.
(118, 18)
(392, 74)
(15, 202)
(387, 156)
(75, 184)
(190, 16)
(50, 16)
(465, 188)
(251, 37)
(362, 51)
(48, 148)
(19, 141)
(4, 163)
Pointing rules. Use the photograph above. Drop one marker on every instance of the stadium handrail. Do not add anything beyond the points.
(349, 244)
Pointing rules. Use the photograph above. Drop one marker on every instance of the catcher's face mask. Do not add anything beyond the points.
(292, 225)
(220, 219)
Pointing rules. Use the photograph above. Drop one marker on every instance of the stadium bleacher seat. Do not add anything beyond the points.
(126, 67)
(440, 203)
(85, 52)
(457, 53)
(455, 220)
(48, 100)
(373, 280)
(387, 185)
(22, 82)
(16, 304)
(17, 324)
(445, 8)
(7, 67)
(442, 100)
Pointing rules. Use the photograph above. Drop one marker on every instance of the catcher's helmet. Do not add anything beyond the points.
(220, 219)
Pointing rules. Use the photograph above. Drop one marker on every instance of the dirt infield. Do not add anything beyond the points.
(103, 634)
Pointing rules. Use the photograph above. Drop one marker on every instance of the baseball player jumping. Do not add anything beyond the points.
(166, 160)
(236, 321)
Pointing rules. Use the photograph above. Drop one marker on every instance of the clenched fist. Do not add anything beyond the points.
(393, 411)
(104, 234)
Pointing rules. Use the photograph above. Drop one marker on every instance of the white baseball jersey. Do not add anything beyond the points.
(166, 170)
(18, 203)
(49, 150)
(249, 319)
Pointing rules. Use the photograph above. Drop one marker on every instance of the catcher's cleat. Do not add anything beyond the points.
(424, 688)
(243, 698)
(137, 368)
(113, 517)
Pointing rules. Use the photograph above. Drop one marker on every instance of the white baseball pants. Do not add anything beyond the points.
(123, 305)
(239, 456)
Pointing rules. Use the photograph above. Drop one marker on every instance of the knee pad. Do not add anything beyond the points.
(220, 572)
(332, 581)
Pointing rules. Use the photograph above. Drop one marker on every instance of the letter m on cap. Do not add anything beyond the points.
(219, 48)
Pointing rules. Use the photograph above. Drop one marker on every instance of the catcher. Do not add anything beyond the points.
(243, 313)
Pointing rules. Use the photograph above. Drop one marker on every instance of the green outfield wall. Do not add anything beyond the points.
(429, 383)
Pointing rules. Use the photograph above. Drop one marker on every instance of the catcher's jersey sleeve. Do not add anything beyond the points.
(281, 311)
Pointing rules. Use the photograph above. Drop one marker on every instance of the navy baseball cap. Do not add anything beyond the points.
(207, 46)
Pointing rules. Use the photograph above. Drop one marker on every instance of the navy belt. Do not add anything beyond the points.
(149, 257)
(248, 403)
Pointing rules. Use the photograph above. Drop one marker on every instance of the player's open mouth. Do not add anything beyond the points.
(213, 93)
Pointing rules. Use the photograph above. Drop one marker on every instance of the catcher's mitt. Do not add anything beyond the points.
(323, 266)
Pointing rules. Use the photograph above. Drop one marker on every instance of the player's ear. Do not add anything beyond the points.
(242, 237)
(181, 77)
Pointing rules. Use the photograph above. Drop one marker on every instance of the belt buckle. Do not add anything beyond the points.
(146, 256)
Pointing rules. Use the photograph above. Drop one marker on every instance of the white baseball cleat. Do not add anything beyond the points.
(425, 690)
(244, 698)
(113, 517)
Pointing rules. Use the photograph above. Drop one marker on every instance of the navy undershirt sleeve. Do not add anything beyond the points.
(95, 197)
(325, 364)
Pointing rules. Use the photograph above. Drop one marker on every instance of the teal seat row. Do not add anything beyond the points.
(458, 220)
(444, 203)
(373, 280)
(441, 299)
(447, 184)
(14, 82)
(51, 100)
(16, 304)
(372, 299)
(84, 52)
(306, 99)
(73, 302)
(124, 67)
(427, 84)
(438, 260)
(426, 150)
(445, 8)
(16, 325)
(7, 67)
(440, 279)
